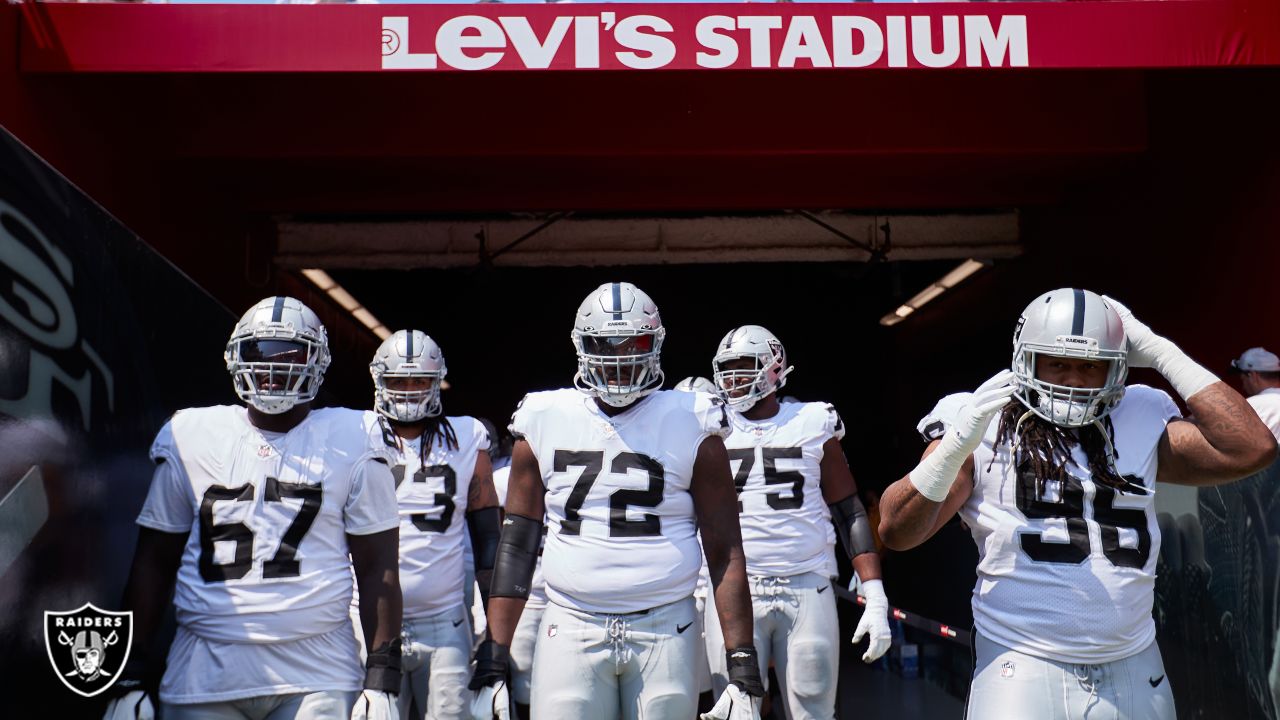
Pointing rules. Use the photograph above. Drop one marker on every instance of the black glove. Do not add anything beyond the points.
(493, 662)
(382, 669)
(744, 670)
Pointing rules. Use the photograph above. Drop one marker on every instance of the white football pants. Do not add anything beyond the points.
(796, 627)
(436, 664)
(590, 666)
(522, 645)
(321, 705)
(1010, 685)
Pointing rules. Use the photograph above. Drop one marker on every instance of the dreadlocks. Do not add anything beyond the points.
(434, 428)
(1047, 447)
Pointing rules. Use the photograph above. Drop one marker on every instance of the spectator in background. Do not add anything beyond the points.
(1260, 378)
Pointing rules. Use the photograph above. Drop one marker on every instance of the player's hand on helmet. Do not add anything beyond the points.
(375, 705)
(1144, 345)
(489, 682)
(875, 621)
(131, 702)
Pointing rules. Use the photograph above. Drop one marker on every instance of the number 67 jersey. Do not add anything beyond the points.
(1067, 570)
(621, 534)
(267, 516)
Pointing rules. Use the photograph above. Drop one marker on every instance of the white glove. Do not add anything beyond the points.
(491, 702)
(734, 704)
(935, 474)
(1147, 349)
(875, 621)
(375, 705)
(133, 705)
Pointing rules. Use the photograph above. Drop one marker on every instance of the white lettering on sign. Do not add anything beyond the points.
(647, 42)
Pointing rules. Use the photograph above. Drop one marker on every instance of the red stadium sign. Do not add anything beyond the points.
(362, 38)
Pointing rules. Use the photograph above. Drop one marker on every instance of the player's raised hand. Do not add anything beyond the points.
(875, 621)
(1147, 349)
(935, 474)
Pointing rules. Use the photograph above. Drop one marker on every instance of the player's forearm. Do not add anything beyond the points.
(733, 598)
(867, 565)
(503, 615)
(907, 518)
(381, 605)
(150, 586)
(1241, 444)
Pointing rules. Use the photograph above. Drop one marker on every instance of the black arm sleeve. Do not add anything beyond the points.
(517, 556)
(484, 525)
(852, 526)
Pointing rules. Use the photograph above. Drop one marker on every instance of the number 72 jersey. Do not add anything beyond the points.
(1066, 570)
(621, 535)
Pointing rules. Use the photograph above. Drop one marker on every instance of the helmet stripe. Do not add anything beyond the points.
(617, 301)
(277, 312)
(1077, 319)
(408, 345)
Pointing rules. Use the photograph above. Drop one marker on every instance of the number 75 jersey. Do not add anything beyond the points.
(621, 535)
(266, 517)
(1067, 570)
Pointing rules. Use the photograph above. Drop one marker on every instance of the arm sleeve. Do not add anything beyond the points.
(935, 424)
(371, 506)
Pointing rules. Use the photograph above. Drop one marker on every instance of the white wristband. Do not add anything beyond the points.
(1186, 376)
(935, 474)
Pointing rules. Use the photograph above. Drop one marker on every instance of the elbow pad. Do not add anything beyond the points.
(484, 526)
(516, 558)
(850, 519)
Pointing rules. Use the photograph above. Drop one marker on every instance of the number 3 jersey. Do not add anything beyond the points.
(621, 535)
(776, 462)
(266, 559)
(1066, 570)
(433, 506)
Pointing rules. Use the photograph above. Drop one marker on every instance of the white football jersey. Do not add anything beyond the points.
(268, 514)
(1068, 572)
(433, 506)
(537, 587)
(776, 463)
(621, 535)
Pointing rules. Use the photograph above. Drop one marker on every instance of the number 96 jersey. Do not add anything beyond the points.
(621, 535)
(1066, 570)
(267, 516)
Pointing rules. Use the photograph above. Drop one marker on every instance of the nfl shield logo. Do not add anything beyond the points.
(88, 647)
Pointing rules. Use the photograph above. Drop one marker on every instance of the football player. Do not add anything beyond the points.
(526, 637)
(627, 475)
(793, 482)
(442, 475)
(1059, 494)
(261, 513)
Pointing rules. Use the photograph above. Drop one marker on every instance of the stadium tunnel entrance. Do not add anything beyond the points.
(1158, 187)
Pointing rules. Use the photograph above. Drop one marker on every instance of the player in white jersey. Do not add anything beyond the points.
(792, 481)
(627, 475)
(1059, 496)
(443, 482)
(526, 637)
(261, 512)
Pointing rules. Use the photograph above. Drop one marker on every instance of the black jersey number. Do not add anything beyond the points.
(284, 563)
(592, 462)
(1070, 507)
(444, 499)
(772, 475)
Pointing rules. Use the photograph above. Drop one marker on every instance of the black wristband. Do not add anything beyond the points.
(744, 670)
(382, 669)
(492, 664)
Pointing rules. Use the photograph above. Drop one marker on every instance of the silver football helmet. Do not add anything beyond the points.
(1075, 324)
(408, 354)
(742, 389)
(618, 335)
(277, 355)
